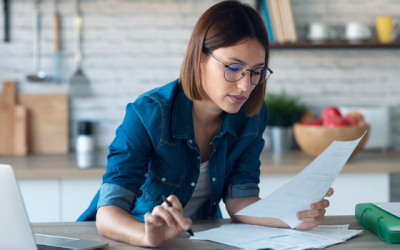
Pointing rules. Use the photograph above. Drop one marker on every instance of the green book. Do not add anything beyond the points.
(382, 223)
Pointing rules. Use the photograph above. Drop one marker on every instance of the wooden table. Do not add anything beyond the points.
(87, 230)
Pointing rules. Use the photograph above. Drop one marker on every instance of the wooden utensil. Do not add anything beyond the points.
(48, 122)
(56, 71)
(13, 123)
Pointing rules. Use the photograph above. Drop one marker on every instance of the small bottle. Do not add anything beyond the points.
(85, 145)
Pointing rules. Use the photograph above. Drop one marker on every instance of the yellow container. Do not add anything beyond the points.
(384, 27)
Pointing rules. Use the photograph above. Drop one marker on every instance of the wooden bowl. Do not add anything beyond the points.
(313, 140)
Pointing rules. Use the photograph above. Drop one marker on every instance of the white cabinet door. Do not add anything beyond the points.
(76, 195)
(41, 199)
(66, 199)
(351, 189)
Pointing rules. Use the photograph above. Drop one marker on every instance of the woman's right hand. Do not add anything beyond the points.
(165, 223)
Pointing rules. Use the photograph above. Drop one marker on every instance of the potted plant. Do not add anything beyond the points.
(283, 111)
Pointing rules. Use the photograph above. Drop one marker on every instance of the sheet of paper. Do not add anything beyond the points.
(256, 237)
(391, 207)
(307, 187)
(338, 232)
(333, 227)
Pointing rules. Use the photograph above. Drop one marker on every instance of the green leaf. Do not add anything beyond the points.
(283, 110)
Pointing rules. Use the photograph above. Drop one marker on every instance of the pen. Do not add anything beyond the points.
(170, 205)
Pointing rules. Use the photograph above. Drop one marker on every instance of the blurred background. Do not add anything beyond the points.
(130, 47)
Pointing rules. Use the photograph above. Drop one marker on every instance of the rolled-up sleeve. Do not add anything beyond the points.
(245, 175)
(113, 194)
(129, 156)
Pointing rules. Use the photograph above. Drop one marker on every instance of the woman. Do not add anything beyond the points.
(195, 140)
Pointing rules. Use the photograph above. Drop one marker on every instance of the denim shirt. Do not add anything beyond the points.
(155, 153)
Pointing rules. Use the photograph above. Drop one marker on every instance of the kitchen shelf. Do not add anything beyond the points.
(335, 44)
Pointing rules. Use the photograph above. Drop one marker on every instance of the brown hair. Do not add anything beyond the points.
(225, 24)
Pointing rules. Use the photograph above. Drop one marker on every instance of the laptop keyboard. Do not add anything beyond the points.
(44, 247)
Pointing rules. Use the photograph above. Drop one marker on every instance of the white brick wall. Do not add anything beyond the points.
(130, 47)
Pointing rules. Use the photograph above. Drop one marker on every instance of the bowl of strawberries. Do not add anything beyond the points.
(314, 136)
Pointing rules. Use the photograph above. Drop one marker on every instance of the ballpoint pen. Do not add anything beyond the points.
(170, 205)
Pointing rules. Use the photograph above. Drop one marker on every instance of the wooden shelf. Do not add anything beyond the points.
(335, 44)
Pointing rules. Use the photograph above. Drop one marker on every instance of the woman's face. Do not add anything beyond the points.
(230, 96)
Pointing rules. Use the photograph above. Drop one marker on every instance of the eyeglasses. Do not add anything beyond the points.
(236, 71)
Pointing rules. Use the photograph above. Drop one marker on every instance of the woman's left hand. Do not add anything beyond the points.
(316, 215)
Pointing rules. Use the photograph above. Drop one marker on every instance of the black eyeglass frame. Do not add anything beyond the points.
(251, 71)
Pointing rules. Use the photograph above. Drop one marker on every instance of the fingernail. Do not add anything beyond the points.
(313, 207)
(172, 224)
(299, 216)
(186, 226)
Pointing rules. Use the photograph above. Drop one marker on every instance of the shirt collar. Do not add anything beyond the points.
(182, 122)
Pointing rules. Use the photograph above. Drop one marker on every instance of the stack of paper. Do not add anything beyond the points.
(259, 237)
(307, 187)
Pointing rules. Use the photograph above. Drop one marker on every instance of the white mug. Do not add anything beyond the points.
(320, 32)
(357, 31)
(396, 28)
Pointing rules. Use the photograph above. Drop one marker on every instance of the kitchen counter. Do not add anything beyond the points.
(64, 166)
(55, 189)
(364, 162)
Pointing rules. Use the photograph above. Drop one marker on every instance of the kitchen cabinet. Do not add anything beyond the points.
(57, 200)
(76, 195)
(42, 199)
(55, 190)
(63, 200)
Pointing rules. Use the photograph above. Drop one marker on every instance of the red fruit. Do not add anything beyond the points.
(317, 123)
(313, 123)
(334, 121)
(354, 118)
(330, 112)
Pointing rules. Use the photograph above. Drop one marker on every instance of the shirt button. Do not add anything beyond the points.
(193, 184)
(214, 203)
(215, 150)
(163, 179)
(220, 133)
(190, 141)
(214, 179)
(198, 157)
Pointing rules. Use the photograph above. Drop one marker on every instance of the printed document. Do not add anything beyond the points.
(339, 232)
(259, 237)
(307, 187)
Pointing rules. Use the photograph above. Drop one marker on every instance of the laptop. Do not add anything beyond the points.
(15, 229)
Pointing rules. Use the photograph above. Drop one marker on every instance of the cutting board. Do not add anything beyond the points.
(47, 122)
(13, 123)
